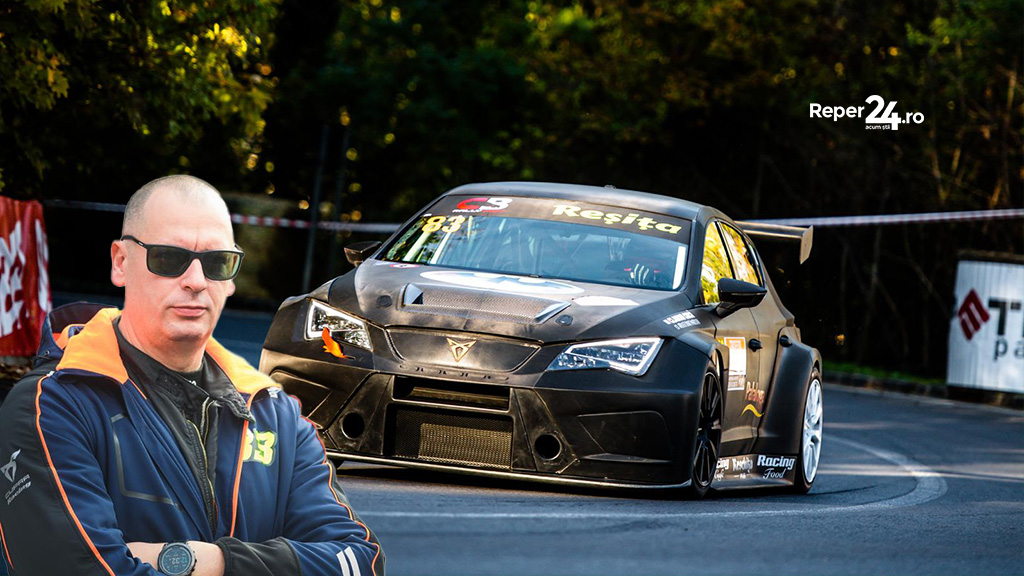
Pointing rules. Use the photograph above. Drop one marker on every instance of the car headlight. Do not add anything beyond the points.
(630, 355)
(342, 326)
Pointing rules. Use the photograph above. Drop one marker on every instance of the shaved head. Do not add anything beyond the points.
(187, 189)
(171, 318)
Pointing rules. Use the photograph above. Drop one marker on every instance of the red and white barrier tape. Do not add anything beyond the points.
(387, 228)
(925, 218)
(249, 220)
(376, 227)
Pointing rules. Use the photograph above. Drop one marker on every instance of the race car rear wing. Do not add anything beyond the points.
(779, 232)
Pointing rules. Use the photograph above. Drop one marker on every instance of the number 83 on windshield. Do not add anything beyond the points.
(435, 223)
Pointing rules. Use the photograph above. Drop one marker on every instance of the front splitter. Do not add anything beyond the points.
(522, 476)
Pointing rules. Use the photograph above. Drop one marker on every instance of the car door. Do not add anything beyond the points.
(734, 331)
(768, 319)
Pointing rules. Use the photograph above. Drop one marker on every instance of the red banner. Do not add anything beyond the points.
(24, 280)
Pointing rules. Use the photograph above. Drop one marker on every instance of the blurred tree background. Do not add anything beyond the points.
(394, 102)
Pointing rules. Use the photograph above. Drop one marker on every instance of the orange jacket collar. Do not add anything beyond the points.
(94, 349)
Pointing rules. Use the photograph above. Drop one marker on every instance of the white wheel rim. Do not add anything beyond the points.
(811, 445)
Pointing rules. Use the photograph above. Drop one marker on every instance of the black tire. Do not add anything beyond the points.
(708, 437)
(811, 420)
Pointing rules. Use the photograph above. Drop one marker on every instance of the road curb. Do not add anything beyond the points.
(938, 390)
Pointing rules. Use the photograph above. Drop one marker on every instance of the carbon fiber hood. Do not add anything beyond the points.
(392, 294)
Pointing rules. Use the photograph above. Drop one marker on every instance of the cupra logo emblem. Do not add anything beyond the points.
(460, 349)
(11, 468)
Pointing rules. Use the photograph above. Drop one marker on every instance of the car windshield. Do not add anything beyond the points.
(548, 238)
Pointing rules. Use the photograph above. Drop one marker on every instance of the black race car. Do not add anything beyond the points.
(560, 333)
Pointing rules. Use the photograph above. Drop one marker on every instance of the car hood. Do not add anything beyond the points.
(392, 294)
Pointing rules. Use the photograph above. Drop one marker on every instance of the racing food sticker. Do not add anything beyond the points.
(737, 362)
(503, 282)
(774, 466)
(753, 469)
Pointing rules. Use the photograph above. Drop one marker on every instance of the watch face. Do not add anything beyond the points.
(176, 559)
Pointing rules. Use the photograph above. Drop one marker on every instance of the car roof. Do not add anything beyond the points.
(608, 195)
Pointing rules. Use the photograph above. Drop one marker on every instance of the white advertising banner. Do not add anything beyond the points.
(986, 335)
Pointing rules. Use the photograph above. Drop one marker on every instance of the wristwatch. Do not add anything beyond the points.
(176, 559)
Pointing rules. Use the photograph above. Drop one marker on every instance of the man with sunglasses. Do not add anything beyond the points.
(139, 445)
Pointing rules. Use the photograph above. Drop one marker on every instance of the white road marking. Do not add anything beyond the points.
(929, 486)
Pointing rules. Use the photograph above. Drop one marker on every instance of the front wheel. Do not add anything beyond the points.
(709, 436)
(810, 437)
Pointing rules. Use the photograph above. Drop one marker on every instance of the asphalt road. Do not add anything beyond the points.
(907, 485)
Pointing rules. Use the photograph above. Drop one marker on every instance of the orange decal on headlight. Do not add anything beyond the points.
(332, 347)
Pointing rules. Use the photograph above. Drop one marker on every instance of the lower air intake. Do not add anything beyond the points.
(451, 438)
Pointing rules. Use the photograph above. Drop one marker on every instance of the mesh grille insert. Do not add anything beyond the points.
(451, 393)
(450, 437)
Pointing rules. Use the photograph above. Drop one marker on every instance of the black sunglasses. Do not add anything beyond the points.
(172, 261)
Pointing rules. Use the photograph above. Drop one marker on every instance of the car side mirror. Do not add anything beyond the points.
(358, 252)
(735, 294)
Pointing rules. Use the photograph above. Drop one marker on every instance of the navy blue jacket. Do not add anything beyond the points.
(87, 464)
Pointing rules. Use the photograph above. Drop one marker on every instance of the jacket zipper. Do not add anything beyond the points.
(209, 498)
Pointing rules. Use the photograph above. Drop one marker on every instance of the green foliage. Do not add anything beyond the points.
(149, 77)
(703, 100)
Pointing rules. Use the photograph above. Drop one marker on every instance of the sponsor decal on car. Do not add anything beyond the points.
(332, 347)
(751, 470)
(477, 205)
(446, 224)
(454, 213)
(682, 320)
(735, 468)
(784, 462)
(397, 264)
(613, 218)
(503, 282)
(742, 464)
(754, 397)
(721, 468)
(737, 362)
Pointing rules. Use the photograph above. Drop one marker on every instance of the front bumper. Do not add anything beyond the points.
(586, 427)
